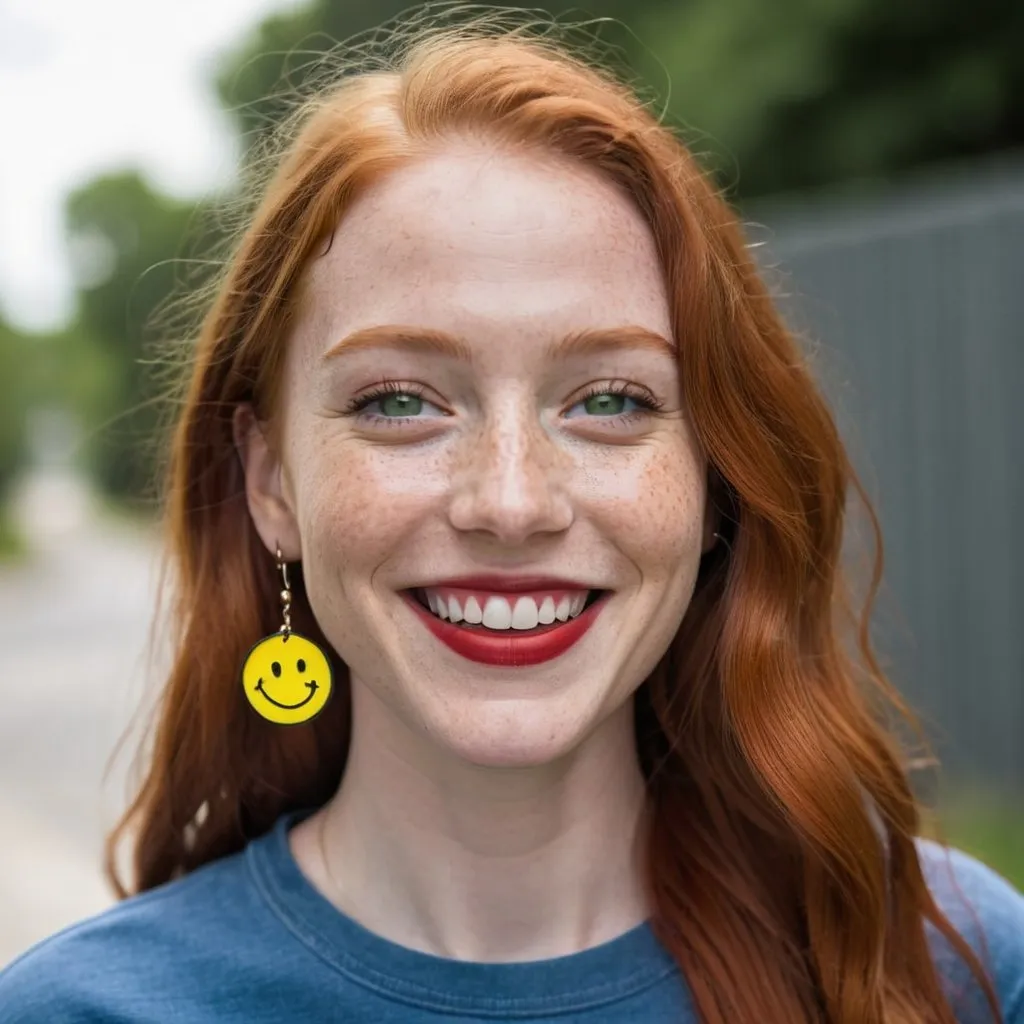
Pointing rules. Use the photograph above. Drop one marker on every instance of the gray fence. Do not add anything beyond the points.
(915, 305)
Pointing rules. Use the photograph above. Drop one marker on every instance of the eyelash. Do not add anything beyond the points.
(647, 402)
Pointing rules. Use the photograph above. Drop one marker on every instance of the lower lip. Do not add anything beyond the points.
(510, 650)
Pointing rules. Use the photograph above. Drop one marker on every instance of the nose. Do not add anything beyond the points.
(511, 478)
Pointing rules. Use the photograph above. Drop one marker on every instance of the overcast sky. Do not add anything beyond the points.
(88, 86)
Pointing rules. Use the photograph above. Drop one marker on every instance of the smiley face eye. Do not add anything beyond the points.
(301, 665)
(275, 667)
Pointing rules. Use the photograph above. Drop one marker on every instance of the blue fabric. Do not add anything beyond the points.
(247, 940)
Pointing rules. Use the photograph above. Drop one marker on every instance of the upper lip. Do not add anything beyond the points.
(497, 584)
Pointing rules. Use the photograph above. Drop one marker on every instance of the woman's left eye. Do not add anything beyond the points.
(612, 403)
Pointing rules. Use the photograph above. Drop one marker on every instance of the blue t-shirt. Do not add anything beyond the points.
(248, 940)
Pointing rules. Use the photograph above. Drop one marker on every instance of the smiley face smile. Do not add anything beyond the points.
(311, 686)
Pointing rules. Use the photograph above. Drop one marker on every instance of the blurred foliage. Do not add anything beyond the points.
(984, 824)
(787, 95)
(63, 369)
(805, 93)
(12, 545)
(127, 241)
(792, 94)
(277, 60)
(66, 369)
(12, 407)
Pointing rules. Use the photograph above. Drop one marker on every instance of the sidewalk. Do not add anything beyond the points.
(74, 624)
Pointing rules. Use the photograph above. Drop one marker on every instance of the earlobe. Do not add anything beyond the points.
(265, 497)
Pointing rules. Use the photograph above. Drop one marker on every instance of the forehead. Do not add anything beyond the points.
(472, 240)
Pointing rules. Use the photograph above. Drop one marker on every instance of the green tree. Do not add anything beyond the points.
(806, 93)
(57, 370)
(131, 245)
(12, 407)
(276, 61)
(782, 95)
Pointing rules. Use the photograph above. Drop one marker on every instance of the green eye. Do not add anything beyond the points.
(395, 402)
(401, 403)
(605, 404)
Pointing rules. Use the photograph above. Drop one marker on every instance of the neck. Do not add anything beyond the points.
(483, 864)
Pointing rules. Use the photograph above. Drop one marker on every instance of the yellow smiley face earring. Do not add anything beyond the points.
(286, 678)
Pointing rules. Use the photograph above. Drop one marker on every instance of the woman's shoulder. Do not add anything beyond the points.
(92, 969)
(987, 911)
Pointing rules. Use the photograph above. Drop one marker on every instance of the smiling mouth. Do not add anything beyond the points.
(311, 686)
(419, 595)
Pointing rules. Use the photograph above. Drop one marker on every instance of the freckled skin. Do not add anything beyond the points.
(508, 254)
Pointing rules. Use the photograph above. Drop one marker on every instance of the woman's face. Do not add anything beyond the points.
(518, 457)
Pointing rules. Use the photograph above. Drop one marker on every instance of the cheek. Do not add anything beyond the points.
(355, 502)
(651, 502)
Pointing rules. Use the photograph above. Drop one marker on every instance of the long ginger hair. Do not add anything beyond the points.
(782, 871)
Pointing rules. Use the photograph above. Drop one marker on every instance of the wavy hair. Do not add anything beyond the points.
(782, 870)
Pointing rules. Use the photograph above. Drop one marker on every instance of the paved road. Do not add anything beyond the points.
(74, 627)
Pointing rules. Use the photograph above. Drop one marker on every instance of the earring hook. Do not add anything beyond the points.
(286, 595)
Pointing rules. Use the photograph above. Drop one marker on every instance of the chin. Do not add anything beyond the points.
(510, 734)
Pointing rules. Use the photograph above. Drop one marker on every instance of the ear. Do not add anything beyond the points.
(270, 504)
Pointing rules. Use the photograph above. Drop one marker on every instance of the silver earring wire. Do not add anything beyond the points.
(286, 595)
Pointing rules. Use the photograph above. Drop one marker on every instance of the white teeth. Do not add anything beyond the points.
(497, 613)
(524, 615)
(472, 613)
(500, 614)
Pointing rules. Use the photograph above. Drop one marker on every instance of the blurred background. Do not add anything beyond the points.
(876, 151)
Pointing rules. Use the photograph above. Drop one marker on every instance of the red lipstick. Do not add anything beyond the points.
(512, 649)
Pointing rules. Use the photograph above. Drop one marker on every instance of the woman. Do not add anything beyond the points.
(493, 422)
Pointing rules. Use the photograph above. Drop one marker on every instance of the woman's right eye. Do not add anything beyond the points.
(394, 403)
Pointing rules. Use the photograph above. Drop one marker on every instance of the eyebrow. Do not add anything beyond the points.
(430, 341)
